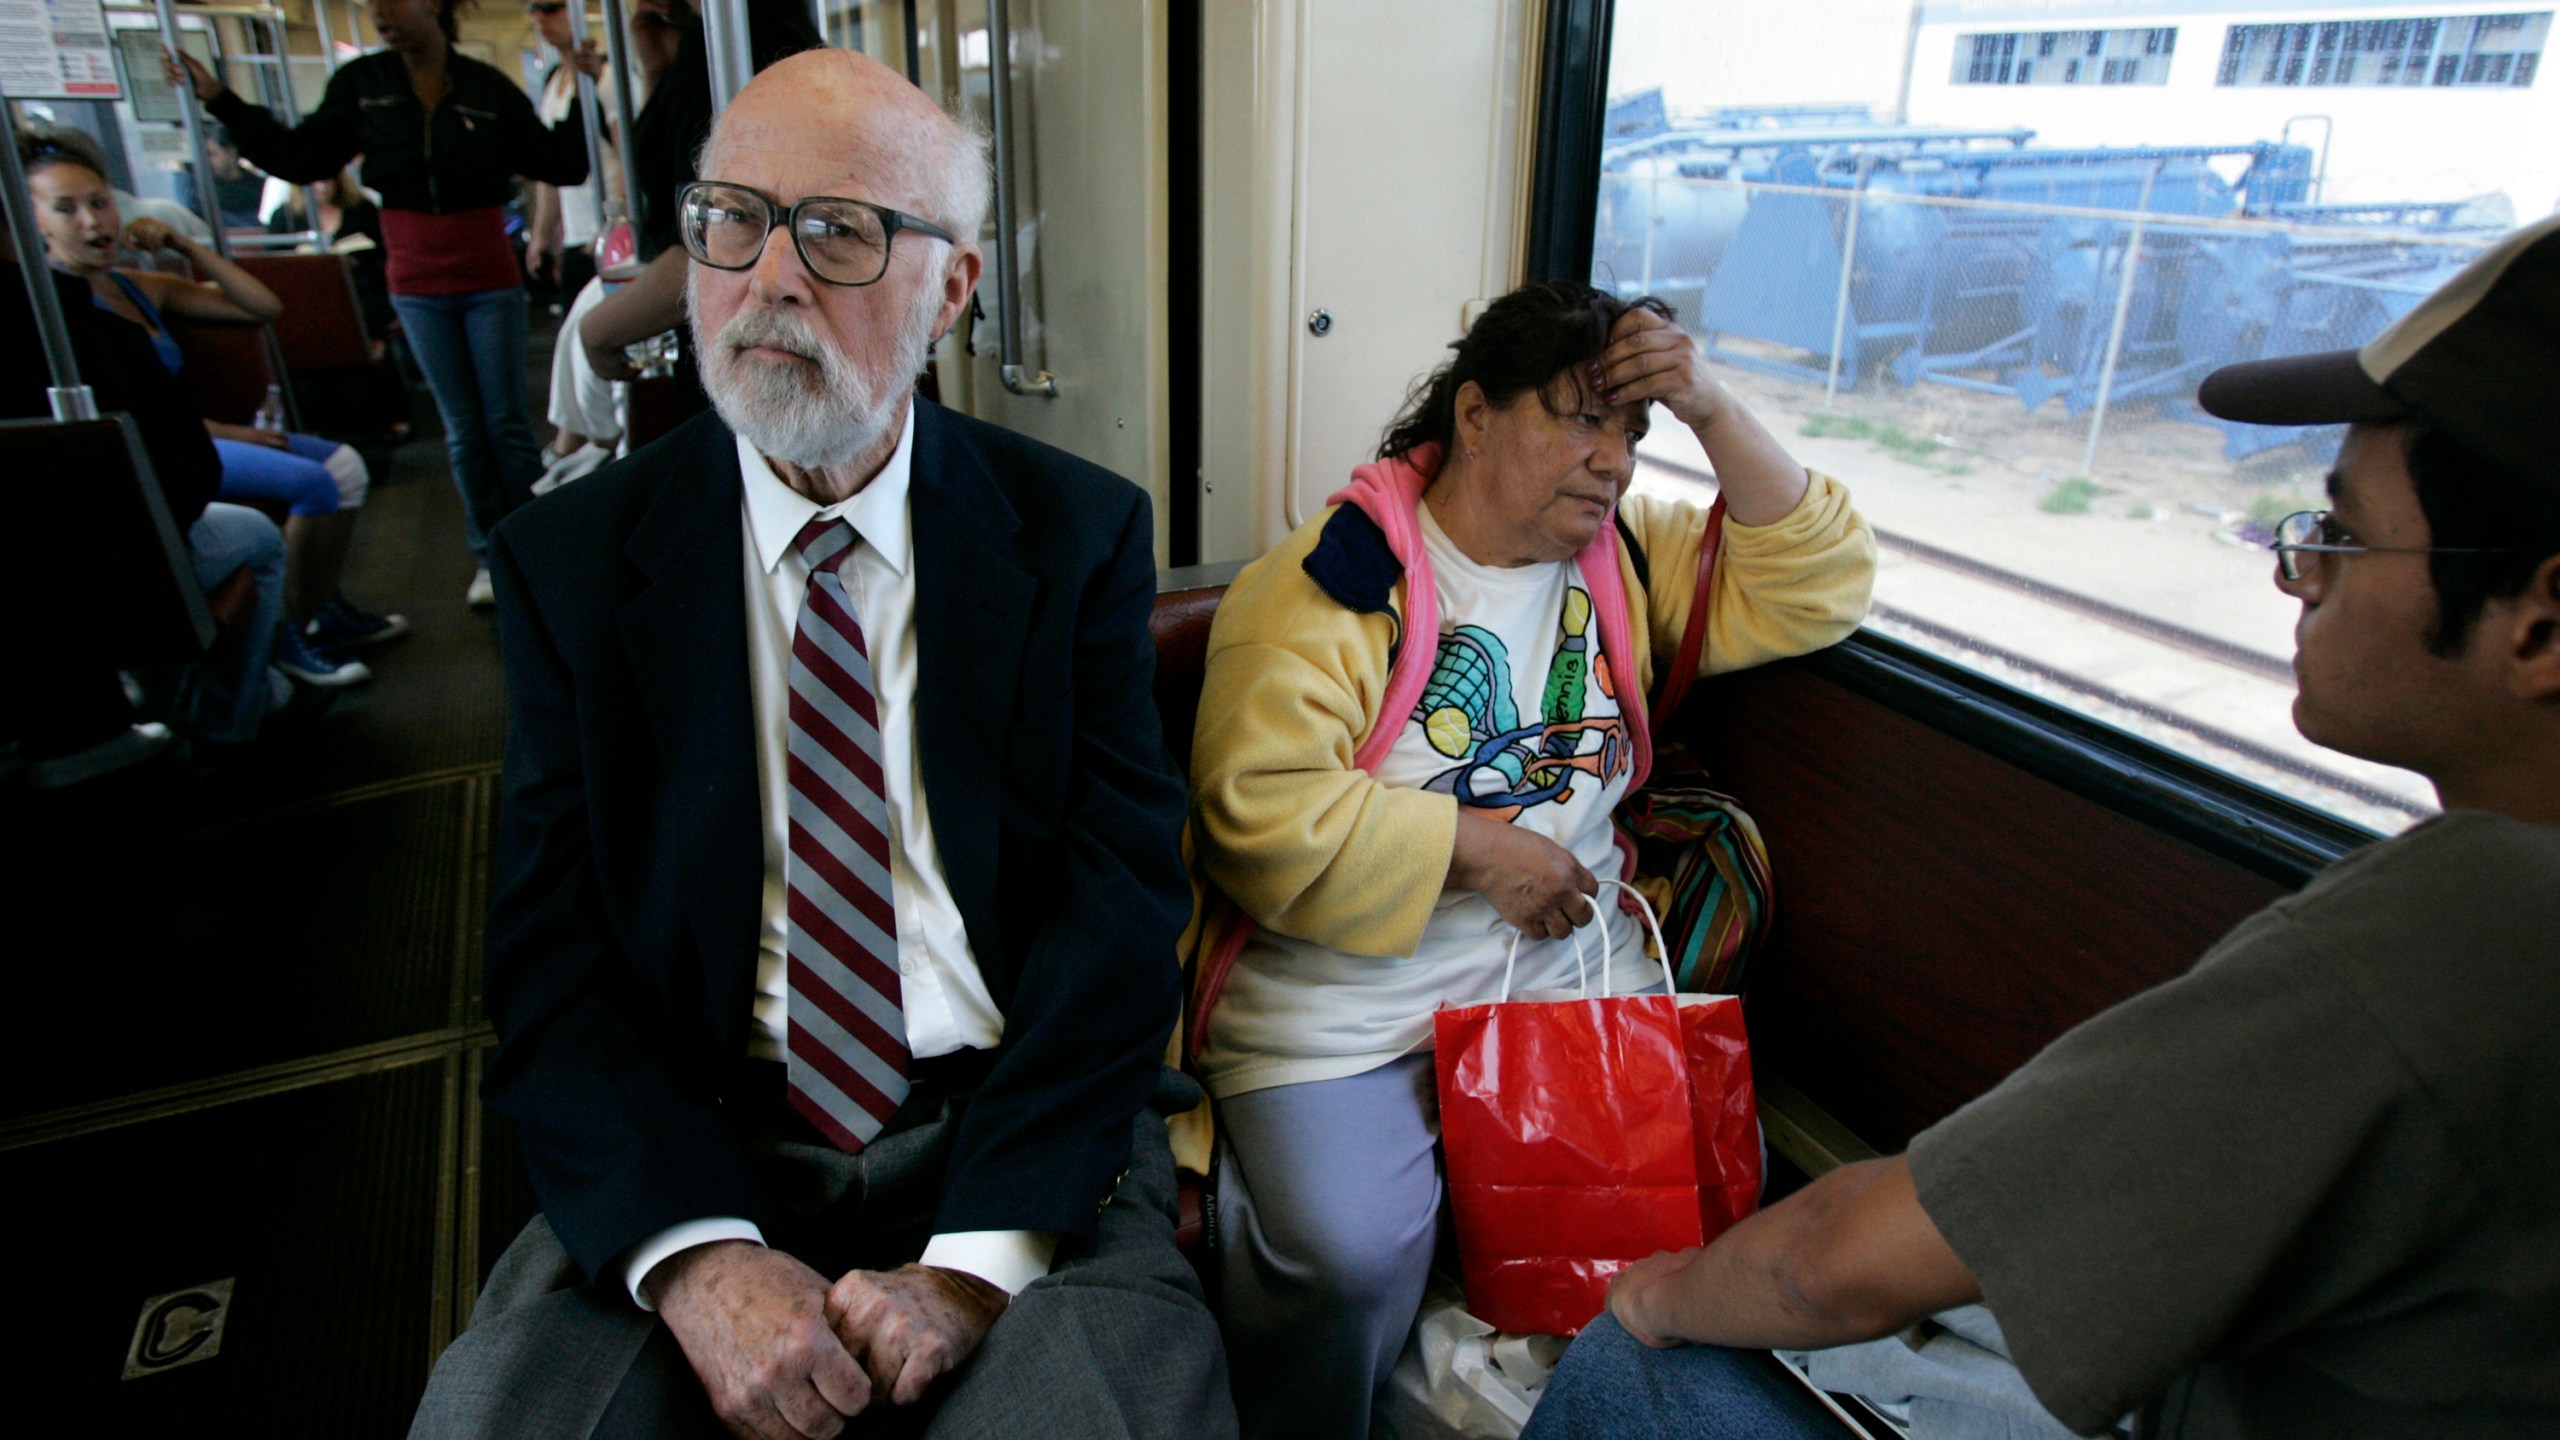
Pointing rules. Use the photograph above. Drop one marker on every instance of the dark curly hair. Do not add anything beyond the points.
(1519, 344)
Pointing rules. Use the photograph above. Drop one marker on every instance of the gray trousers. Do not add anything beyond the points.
(1114, 1342)
(1328, 1216)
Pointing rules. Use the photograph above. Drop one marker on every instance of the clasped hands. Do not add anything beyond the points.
(784, 1355)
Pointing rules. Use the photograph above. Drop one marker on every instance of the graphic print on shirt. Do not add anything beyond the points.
(1506, 764)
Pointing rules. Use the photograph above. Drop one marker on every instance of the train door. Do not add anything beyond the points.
(1070, 340)
(1362, 189)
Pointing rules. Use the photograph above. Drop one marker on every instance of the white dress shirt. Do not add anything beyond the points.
(942, 994)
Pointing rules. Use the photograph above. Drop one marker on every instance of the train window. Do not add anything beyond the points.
(1981, 287)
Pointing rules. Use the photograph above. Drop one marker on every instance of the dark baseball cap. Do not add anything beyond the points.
(2479, 357)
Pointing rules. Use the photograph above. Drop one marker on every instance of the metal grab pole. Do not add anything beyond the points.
(1848, 268)
(617, 53)
(71, 399)
(1010, 368)
(293, 112)
(328, 42)
(593, 122)
(724, 34)
(2115, 333)
(189, 112)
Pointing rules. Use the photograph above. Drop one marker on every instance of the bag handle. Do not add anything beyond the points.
(1693, 638)
(1581, 976)
(1644, 907)
(1581, 972)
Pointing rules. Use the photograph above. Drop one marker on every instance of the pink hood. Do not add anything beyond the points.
(1389, 492)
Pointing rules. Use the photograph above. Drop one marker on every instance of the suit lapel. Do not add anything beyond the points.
(973, 613)
(685, 634)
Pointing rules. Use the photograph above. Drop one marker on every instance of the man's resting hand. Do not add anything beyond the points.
(913, 1324)
(754, 1324)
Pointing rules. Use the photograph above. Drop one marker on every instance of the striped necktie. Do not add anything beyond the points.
(847, 1055)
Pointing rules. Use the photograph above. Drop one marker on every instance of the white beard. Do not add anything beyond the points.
(816, 418)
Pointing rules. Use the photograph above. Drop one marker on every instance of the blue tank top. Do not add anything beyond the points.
(171, 358)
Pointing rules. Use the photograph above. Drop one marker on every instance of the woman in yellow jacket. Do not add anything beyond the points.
(1378, 817)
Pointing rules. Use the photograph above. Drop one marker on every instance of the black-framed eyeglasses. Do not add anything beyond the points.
(843, 242)
(2315, 532)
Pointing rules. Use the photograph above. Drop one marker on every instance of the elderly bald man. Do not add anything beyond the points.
(832, 947)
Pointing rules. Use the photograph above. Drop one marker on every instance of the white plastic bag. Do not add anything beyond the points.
(1460, 1379)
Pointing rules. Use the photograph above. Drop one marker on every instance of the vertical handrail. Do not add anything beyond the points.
(724, 34)
(328, 41)
(2115, 332)
(71, 400)
(617, 53)
(592, 122)
(1010, 367)
(282, 38)
(193, 122)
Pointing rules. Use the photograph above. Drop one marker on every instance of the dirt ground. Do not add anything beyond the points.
(2165, 526)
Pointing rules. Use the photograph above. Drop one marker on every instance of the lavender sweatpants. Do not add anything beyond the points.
(1329, 1211)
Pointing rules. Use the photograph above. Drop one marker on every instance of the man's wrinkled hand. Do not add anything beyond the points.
(754, 1325)
(1631, 1288)
(912, 1325)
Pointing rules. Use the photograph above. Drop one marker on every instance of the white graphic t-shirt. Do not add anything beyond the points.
(1520, 721)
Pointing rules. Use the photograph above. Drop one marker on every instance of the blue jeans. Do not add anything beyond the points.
(1612, 1387)
(297, 475)
(225, 696)
(472, 348)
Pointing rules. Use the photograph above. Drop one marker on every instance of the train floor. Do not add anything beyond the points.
(253, 1192)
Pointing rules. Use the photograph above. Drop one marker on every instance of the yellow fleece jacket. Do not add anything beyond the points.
(1306, 843)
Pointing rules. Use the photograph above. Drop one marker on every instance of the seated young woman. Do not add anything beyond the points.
(321, 483)
(1394, 819)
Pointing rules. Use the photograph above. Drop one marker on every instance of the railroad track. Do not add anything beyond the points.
(2223, 652)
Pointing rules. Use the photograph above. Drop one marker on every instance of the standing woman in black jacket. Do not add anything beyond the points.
(443, 137)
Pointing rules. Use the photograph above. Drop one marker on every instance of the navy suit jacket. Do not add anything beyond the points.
(622, 931)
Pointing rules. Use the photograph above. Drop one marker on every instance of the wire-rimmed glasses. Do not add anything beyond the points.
(842, 241)
(2306, 533)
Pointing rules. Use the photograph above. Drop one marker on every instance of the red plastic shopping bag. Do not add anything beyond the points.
(1583, 1135)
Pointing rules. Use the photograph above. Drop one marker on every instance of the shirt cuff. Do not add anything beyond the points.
(644, 1257)
(1006, 1259)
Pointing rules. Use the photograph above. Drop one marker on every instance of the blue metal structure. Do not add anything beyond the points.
(2003, 269)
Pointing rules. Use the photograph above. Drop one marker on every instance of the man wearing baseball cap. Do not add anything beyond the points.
(2312, 1187)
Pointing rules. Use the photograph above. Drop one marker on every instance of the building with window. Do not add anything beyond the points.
(2404, 102)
